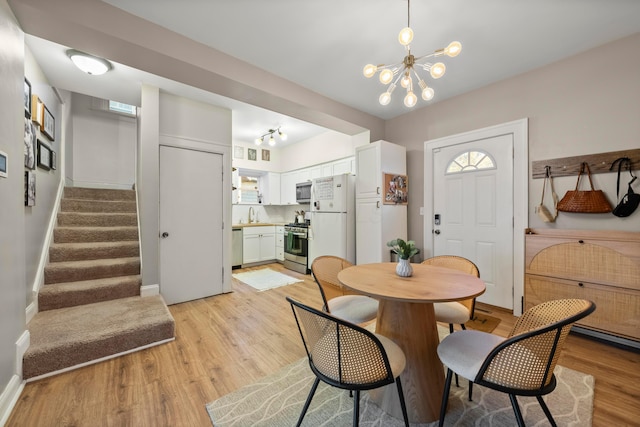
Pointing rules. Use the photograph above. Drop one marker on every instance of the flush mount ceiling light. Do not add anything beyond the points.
(403, 70)
(88, 63)
(272, 140)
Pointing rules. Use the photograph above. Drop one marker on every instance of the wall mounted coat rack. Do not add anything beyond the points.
(598, 163)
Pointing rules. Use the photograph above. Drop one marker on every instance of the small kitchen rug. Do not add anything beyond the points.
(265, 278)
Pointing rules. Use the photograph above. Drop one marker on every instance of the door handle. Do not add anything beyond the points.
(164, 235)
(436, 231)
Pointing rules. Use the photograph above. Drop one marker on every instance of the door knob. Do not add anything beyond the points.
(164, 235)
(436, 231)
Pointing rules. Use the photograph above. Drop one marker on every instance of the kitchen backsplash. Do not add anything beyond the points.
(266, 213)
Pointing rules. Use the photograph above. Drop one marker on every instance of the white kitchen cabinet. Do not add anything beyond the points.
(316, 172)
(270, 188)
(288, 182)
(304, 175)
(280, 243)
(327, 170)
(342, 166)
(258, 244)
(377, 223)
(235, 186)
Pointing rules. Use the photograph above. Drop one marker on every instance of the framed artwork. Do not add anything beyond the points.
(266, 155)
(396, 189)
(48, 124)
(238, 152)
(44, 156)
(37, 110)
(30, 145)
(29, 188)
(27, 98)
(252, 154)
(3, 165)
(54, 162)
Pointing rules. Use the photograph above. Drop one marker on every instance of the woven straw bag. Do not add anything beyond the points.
(542, 211)
(584, 201)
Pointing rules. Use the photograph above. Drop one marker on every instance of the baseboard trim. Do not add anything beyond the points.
(22, 345)
(149, 290)
(9, 398)
(102, 185)
(102, 359)
(32, 309)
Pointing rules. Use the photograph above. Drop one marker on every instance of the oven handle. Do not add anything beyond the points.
(299, 234)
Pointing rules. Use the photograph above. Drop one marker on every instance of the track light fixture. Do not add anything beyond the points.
(272, 140)
(403, 70)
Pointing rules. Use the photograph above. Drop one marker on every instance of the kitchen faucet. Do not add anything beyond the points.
(251, 214)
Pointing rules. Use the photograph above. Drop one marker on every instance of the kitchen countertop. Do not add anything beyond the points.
(257, 224)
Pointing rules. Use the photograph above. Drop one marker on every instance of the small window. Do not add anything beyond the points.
(471, 161)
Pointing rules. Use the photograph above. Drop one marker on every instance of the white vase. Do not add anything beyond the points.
(404, 269)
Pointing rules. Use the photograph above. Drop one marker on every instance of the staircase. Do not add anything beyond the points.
(90, 306)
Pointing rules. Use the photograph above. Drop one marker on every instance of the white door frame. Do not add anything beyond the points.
(520, 131)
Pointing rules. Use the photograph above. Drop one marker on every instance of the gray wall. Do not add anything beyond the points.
(585, 104)
(12, 216)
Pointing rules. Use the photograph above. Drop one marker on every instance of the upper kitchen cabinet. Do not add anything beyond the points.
(288, 181)
(270, 188)
(372, 161)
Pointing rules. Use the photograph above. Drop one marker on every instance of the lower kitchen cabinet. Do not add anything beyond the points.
(258, 244)
(280, 243)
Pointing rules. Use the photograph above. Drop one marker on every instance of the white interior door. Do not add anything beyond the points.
(473, 210)
(191, 215)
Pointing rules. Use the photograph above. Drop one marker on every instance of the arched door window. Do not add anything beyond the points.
(470, 161)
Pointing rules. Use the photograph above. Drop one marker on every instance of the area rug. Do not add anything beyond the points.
(265, 278)
(277, 400)
(483, 322)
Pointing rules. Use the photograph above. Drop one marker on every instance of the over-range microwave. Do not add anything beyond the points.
(303, 192)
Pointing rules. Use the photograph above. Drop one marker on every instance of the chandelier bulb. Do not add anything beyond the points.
(427, 93)
(272, 141)
(369, 70)
(283, 136)
(453, 49)
(406, 36)
(258, 141)
(437, 70)
(385, 98)
(410, 100)
(405, 82)
(386, 76)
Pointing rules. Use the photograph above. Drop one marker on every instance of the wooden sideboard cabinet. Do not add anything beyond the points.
(601, 266)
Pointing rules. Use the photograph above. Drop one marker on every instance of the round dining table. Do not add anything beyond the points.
(406, 315)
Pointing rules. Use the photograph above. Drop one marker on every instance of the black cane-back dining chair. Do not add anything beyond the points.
(520, 365)
(348, 306)
(454, 312)
(346, 356)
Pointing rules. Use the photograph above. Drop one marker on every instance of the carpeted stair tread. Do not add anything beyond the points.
(97, 219)
(73, 271)
(70, 336)
(69, 294)
(60, 252)
(99, 194)
(82, 205)
(94, 234)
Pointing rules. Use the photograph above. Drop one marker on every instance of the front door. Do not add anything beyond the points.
(191, 236)
(473, 210)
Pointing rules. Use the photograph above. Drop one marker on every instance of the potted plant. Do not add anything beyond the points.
(405, 251)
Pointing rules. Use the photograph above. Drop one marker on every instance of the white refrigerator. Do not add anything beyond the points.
(333, 230)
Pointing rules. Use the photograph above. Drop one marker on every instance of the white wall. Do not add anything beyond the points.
(573, 109)
(104, 147)
(12, 210)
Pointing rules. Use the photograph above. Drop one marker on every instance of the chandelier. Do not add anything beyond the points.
(272, 140)
(404, 70)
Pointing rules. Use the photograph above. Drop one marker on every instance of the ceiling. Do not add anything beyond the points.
(323, 46)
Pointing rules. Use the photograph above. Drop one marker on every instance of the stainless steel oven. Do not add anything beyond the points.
(296, 247)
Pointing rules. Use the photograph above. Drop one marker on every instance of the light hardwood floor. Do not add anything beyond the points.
(230, 340)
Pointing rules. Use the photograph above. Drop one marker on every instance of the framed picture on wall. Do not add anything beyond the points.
(3, 165)
(396, 189)
(29, 188)
(44, 156)
(266, 155)
(30, 144)
(252, 154)
(48, 127)
(238, 152)
(37, 110)
(27, 98)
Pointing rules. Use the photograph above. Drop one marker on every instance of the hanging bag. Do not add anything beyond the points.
(630, 201)
(584, 201)
(542, 211)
